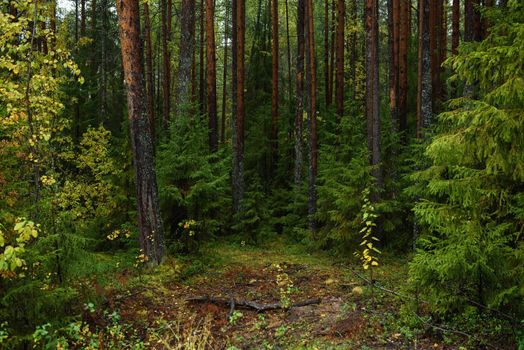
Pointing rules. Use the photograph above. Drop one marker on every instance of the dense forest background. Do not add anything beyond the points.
(135, 134)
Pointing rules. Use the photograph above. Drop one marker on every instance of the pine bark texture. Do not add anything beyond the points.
(238, 146)
(425, 93)
(404, 32)
(224, 78)
(274, 85)
(166, 68)
(339, 61)
(299, 103)
(312, 116)
(185, 59)
(148, 207)
(326, 52)
(211, 76)
(372, 89)
(149, 69)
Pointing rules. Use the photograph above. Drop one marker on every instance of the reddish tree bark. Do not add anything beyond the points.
(274, 86)
(372, 89)
(202, 88)
(404, 32)
(394, 25)
(185, 60)
(339, 70)
(326, 52)
(224, 78)
(148, 208)
(312, 115)
(211, 76)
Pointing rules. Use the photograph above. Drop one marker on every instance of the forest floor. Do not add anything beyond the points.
(349, 315)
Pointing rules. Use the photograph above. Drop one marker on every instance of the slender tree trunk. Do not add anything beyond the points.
(393, 25)
(193, 67)
(288, 46)
(404, 32)
(224, 78)
(424, 95)
(83, 18)
(238, 147)
(211, 76)
(149, 69)
(455, 30)
(326, 51)
(332, 48)
(187, 41)
(339, 77)
(353, 64)
(202, 87)
(166, 68)
(149, 219)
(274, 85)
(312, 115)
(93, 18)
(372, 90)
(299, 112)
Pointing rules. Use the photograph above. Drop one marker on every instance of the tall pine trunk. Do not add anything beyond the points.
(326, 53)
(372, 90)
(224, 78)
(166, 67)
(339, 70)
(424, 93)
(274, 85)
(148, 207)
(404, 32)
(312, 116)
(238, 145)
(185, 59)
(211, 76)
(299, 109)
(149, 69)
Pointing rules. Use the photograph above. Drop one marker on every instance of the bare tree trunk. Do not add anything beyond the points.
(211, 76)
(82, 17)
(404, 32)
(339, 75)
(372, 90)
(424, 95)
(238, 146)
(166, 68)
(202, 88)
(326, 52)
(332, 48)
(187, 41)
(149, 219)
(455, 33)
(394, 25)
(149, 70)
(299, 112)
(312, 116)
(274, 86)
(353, 65)
(224, 78)
(288, 46)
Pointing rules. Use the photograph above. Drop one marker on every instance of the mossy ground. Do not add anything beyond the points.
(350, 315)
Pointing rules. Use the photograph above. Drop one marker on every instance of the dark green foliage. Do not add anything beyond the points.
(471, 251)
(194, 184)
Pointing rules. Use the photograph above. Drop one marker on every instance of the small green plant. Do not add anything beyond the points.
(285, 286)
(235, 316)
(369, 254)
(281, 331)
(261, 322)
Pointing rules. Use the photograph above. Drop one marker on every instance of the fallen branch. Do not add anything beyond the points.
(247, 304)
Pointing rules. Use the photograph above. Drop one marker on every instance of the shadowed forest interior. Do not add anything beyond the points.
(262, 174)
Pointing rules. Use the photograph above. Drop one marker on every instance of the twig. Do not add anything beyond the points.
(247, 304)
